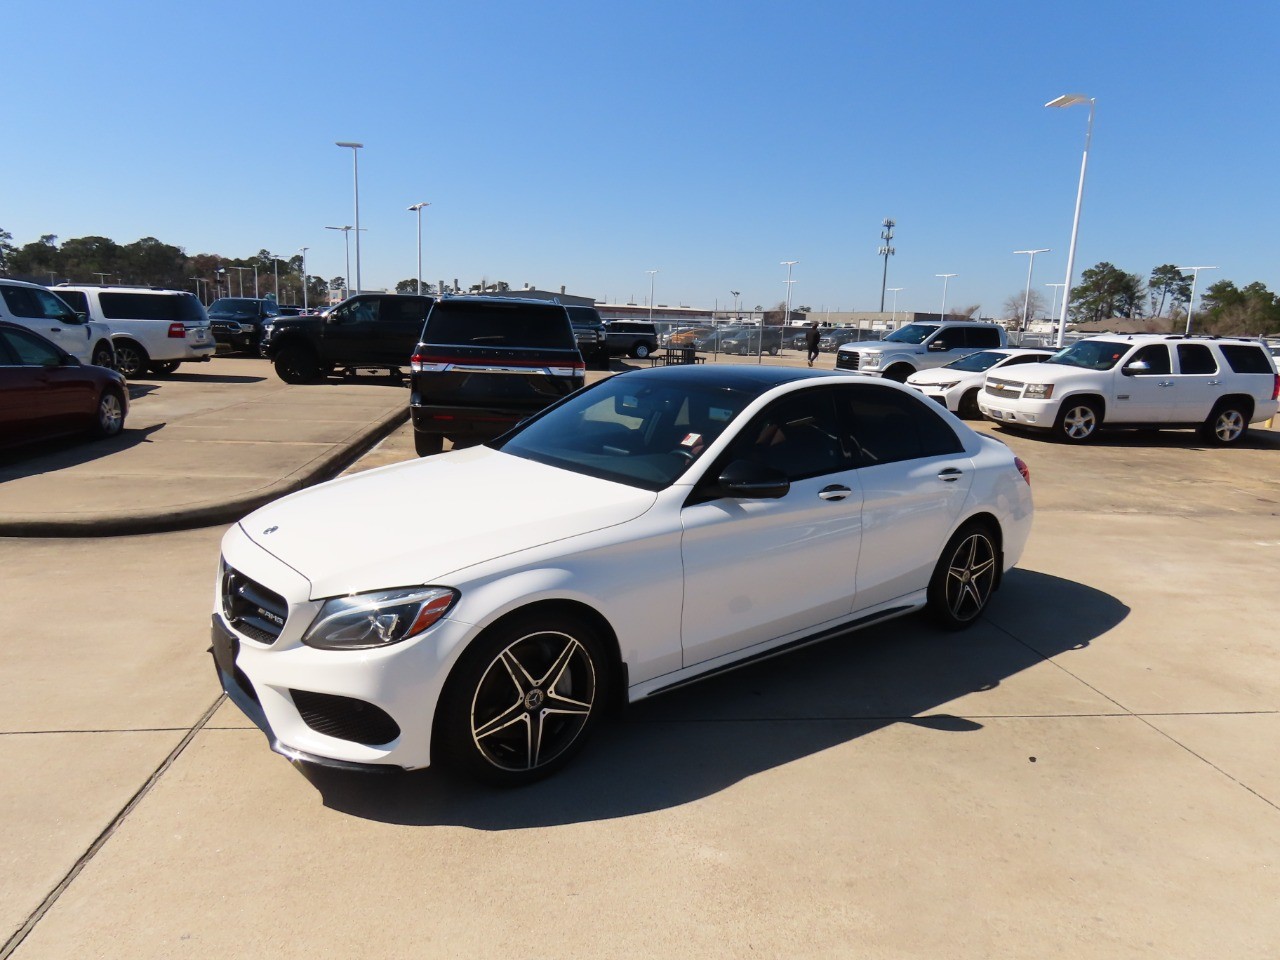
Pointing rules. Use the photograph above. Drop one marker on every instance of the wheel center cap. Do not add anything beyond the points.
(534, 699)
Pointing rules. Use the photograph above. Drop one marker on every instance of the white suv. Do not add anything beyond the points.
(34, 307)
(1149, 381)
(919, 346)
(151, 329)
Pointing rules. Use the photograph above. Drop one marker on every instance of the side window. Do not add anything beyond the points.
(1246, 358)
(1156, 355)
(7, 356)
(797, 434)
(31, 350)
(403, 310)
(32, 303)
(76, 300)
(1196, 358)
(364, 310)
(982, 337)
(886, 426)
(1025, 358)
(947, 339)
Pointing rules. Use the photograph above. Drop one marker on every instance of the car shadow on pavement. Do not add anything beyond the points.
(162, 378)
(1255, 439)
(50, 455)
(701, 739)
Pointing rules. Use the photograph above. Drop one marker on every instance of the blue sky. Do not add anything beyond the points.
(584, 143)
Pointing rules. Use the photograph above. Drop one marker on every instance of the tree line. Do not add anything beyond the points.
(1106, 292)
(149, 262)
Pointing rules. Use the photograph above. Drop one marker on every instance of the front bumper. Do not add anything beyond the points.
(1032, 414)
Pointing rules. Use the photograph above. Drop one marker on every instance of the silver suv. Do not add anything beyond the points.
(1148, 381)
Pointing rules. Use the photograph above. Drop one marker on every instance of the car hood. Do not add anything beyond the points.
(940, 375)
(1045, 373)
(420, 522)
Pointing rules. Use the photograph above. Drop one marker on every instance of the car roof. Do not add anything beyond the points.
(747, 378)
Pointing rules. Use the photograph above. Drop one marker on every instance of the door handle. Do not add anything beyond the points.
(951, 474)
(55, 329)
(1215, 383)
(1166, 383)
(834, 492)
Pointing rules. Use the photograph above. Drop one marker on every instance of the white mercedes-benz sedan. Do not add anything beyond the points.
(484, 607)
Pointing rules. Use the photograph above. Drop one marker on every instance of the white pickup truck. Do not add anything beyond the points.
(919, 346)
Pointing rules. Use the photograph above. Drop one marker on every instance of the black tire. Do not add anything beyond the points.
(1078, 421)
(297, 365)
(522, 699)
(1227, 425)
(774, 351)
(640, 351)
(164, 367)
(427, 443)
(965, 577)
(969, 406)
(131, 358)
(109, 419)
(898, 373)
(103, 356)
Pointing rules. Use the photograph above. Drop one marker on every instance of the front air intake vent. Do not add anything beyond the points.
(345, 718)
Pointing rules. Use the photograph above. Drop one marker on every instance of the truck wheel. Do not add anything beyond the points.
(131, 358)
(427, 444)
(1078, 422)
(297, 365)
(640, 351)
(898, 373)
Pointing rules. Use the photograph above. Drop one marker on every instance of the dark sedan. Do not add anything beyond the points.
(45, 392)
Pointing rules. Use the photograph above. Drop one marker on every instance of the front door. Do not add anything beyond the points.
(1145, 396)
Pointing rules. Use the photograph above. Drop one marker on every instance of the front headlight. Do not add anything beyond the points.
(945, 386)
(366, 621)
(1039, 391)
(870, 360)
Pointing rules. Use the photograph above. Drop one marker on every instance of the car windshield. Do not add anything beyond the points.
(642, 434)
(234, 307)
(911, 333)
(1091, 354)
(976, 362)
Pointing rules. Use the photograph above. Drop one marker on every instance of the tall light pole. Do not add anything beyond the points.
(786, 318)
(1053, 312)
(198, 282)
(736, 294)
(886, 251)
(1026, 300)
(275, 266)
(418, 208)
(355, 174)
(255, 280)
(346, 242)
(303, 251)
(651, 275)
(1070, 100)
(241, 271)
(894, 291)
(1191, 304)
(946, 278)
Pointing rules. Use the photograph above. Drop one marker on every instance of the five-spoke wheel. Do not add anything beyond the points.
(1227, 425)
(965, 577)
(1079, 421)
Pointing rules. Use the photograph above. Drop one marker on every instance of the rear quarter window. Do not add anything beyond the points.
(1245, 358)
(151, 306)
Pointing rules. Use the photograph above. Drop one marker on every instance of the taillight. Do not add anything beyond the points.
(1275, 391)
(420, 362)
(572, 370)
(177, 331)
(1023, 469)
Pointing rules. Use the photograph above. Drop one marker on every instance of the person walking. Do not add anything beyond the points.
(811, 338)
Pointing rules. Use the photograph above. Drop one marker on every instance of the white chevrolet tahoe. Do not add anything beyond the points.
(919, 346)
(151, 328)
(1148, 381)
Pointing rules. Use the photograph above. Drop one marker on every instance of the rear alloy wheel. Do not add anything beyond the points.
(1227, 425)
(427, 444)
(131, 358)
(103, 356)
(297, 365)
(164, 367)
(640, 351)
(965, 577)
(1079, 421)
(523, 699)
(110, 420)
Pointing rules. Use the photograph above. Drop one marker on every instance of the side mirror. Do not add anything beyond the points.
(939, 345)
(83, 317)
(1138, 366)
(745, 480)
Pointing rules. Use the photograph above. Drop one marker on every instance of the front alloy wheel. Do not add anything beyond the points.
(522, 701)
(964, 578)
(110, 419)
(1079, 422)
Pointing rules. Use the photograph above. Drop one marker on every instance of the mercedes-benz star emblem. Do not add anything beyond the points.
(269, 530)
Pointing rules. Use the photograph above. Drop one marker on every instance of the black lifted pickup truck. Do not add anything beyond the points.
(370, 331)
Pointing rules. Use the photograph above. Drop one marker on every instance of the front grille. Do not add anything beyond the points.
(252, 609)
(848, 360)
(345, 718)
(1003, 388)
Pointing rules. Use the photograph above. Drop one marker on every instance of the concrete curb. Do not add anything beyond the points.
(322, 468)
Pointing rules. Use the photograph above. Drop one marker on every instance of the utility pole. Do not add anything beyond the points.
(886, 251)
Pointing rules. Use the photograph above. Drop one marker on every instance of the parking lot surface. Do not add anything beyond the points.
(1089, 772)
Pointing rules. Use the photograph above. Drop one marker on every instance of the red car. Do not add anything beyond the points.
(45, 392)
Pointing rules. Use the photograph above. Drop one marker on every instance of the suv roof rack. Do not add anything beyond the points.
(118, 286)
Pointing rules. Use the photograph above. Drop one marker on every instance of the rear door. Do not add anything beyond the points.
(1199, 382)
(397, 325)
(349, 331)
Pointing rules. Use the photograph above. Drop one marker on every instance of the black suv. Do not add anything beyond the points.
(239, 322)
(588, 330)
(483, 364)
(630, 338)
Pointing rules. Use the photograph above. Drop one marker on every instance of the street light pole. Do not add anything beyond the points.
(787, 316)
(346, 242)
(1070, 100)
(651, 275)
(946, 278)
(241, 271)
(418, 207)
(1026, 300)
(355, 173)
(1053, 312)
(275, 266)
(735, 304)
(1191, 304)
(894, 291)
(255, 280)
(304, 277)
(198, 281)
